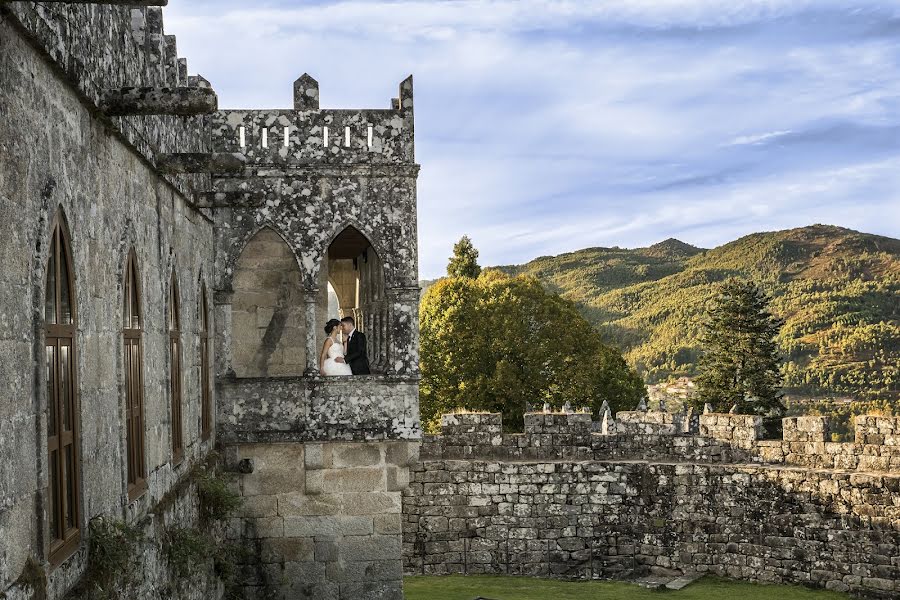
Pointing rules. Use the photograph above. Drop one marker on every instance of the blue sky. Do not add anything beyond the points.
(548, 126)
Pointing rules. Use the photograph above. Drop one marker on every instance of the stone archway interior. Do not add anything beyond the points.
(267, 311)
(354, 271)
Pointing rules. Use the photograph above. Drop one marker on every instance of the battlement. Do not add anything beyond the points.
(653, 492)
(659, 435)
(308, 135)
(106, 51)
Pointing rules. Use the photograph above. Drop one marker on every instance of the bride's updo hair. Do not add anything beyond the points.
(330, 325)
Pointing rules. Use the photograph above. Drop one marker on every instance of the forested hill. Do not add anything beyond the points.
(837, 289)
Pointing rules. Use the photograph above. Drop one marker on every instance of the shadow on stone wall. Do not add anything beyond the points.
(560, 501)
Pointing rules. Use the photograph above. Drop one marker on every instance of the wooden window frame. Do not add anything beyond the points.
(175, 371)
(63, 500)
(133, 357)
(205, 392)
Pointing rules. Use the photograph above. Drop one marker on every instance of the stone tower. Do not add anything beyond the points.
(326, 201)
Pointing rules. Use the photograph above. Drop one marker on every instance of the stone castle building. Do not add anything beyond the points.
(165, 270)
(165, 277)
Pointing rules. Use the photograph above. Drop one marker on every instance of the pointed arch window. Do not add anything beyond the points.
(132, 334)
(60, 322)
(175, 370)
(205, 396)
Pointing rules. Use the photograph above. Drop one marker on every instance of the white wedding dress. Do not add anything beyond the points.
(333, 368)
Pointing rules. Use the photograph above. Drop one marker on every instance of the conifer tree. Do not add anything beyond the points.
(464, 262)
(740, 364)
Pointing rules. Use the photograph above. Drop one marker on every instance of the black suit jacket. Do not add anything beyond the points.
(356, 355)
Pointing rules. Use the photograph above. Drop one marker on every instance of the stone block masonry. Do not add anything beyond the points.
(797, 510)
(104, 131)
(322, 518)
(62, 159)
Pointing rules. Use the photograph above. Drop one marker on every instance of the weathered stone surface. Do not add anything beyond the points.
(338, 507)
(306, 93)
(329, 526)
(182, 101)
(355, 455)
(94, 174)
(656, 504)
(198, 162)
(328, 408)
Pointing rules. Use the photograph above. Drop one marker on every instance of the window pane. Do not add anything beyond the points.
(55, 532)
(176, 393)
(50, 289)
(51, 389)
(135, 299)
(204, 325)
(63, 391)
(70, 487)
(138, 429)
(65, 300)
(126, 311)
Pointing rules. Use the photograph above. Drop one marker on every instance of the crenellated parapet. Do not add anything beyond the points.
(128, 72)
(659, 435)
(641, 494)
(308, 136)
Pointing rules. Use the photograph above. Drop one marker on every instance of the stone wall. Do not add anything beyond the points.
(96, 48)
(60, 157)
(593, 505)
(63, 156)
(322, 520)
(301, 409)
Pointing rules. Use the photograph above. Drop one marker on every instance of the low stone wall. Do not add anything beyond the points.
(620, 504)
(301, 409)
(322, 520)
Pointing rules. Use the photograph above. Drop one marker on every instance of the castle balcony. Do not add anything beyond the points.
(316, 408)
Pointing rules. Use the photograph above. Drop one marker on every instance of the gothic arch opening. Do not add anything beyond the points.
(353, 270)
(268, 327)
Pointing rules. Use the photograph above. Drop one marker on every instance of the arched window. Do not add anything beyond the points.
(175, 370)
(60, 320)
(355, 273)
(205, 399)
(132, 332)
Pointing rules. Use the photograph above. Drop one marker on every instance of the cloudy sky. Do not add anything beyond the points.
(547, 126)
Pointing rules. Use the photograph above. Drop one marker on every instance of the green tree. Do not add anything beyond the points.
(740, 364)
(498, 342)
(464, 262)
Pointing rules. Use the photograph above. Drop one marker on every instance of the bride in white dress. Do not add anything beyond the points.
(332, 349)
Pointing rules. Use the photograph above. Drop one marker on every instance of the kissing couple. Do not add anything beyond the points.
(347, 358)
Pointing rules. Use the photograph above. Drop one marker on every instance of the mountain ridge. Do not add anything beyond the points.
(836, 288)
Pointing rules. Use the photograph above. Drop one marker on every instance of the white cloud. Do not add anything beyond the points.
(757, 138)
(545, 126)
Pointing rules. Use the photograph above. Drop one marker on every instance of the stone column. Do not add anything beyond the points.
(383, 335)
(222, 333)
(310, 300)
(403, 331)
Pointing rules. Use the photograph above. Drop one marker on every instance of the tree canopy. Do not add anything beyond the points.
(497, 342)
(464, 262)
(740, 364)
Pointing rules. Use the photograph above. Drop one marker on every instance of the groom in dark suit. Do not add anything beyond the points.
(355, 349)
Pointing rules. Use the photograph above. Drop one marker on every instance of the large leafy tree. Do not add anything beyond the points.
(740, 364)
(497, 342)
(464, 262)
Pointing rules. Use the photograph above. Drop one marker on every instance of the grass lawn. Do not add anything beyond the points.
(499, 587)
